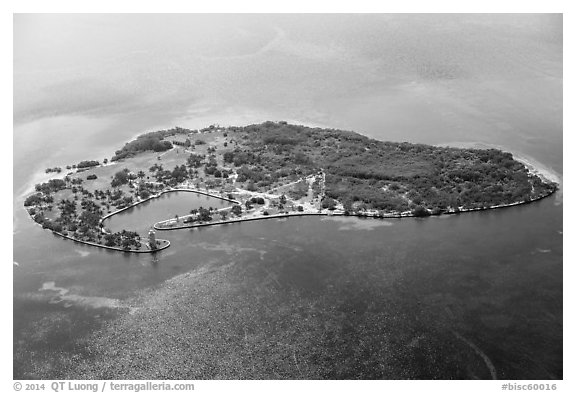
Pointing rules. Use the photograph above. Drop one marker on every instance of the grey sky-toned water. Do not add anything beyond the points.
(86, 84)
(420, 78)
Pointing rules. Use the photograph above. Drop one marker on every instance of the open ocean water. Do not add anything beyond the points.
(476, 295)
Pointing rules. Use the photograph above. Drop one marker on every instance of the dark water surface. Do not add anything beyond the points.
(141, 217)
(491, 278)
(460, 296)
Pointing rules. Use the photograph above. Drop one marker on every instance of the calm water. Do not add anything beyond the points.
(143, 216)
(491, 279)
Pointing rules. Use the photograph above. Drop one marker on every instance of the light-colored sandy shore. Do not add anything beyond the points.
(538, 168)
(533, 165)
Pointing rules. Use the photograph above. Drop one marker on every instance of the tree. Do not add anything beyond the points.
(144, 193)
(328, 203)
(126, 243)
(110, 240)
(228, 157)
(120, 177)
(179, 174)
(250, 186)
(258, 200)
(195, 160)
(89, 218)
(67, 207)
(237, 210)
(204, 214)
(347, 204)
(35, 199)
(420, 211)
(87, 164)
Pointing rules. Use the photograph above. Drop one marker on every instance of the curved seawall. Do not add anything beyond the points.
(166, 245)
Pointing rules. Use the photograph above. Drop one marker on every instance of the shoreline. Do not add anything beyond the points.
(149, 251)
(534, 167)
(202, 192)
(341, 214)
(274, 216)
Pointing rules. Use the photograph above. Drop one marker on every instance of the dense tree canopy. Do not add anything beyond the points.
(87, 164)
(152, 141)
(388, 176)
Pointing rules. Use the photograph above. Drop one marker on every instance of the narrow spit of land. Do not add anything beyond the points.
(276, 170)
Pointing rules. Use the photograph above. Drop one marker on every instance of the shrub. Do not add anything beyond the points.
(236, 209)
(437, 211)
(328, 203)
(87, 164)
(420, 211)
(257, 200)
(33, 200)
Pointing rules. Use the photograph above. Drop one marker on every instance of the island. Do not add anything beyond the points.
(275, 170)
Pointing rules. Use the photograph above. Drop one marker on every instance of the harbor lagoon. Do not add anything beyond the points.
(143, 216)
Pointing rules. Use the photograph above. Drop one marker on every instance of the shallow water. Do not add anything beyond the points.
(466, 273)
(427, 287)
